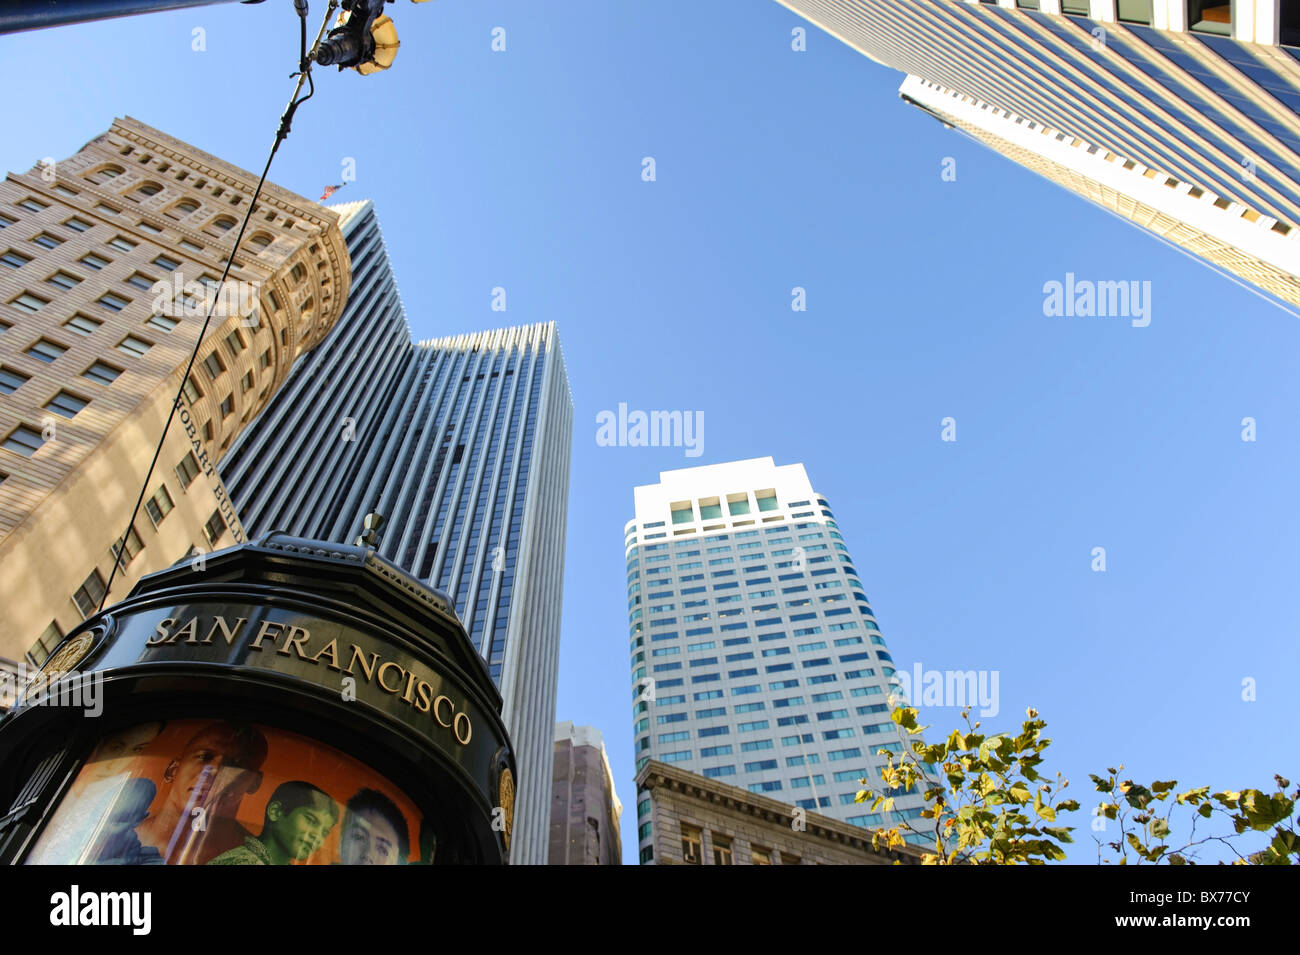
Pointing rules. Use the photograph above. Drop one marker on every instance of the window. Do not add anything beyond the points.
(46, 350)
(92, 261)
(222, 224)
(721, 851)
(166, 263)
(89, 594)
(121, 244)
(140, 281)
(63, 280)
(163, 323)
(47, 241)
(107, 209)
(103, 175)
(126, 548)
(134, 346)
(298, 273)
(102, 372)
(692, 845)
(160, 505)
(40, 650)
(214, 528)
(31, 205)
(214, 365)
(189, 246)
(149, 189)
(27, 302)
(192, 391)
(188, 469)
(77, 225)
(5, 221)
(183, 208)
(235, 342)
(265, 360)
(23, 440)
(67, 404)
(11, 380)
(114, 303)
(15, 260)
(82, 324)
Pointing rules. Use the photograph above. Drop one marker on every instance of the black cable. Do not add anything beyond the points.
(304, 73)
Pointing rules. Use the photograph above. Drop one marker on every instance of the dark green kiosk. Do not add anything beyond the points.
(286, 701)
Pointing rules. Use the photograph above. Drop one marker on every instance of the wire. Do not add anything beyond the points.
(281, 133)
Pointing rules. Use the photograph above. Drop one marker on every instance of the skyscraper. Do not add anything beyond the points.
(585, 809)
(462, 444)
(108, 261)
(1179, 115)
(756, 657)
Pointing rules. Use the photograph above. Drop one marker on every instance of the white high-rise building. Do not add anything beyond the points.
(756, 657)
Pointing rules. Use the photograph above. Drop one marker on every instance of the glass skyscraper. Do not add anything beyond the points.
(462, 444)
(1179, 115)
(756, 657)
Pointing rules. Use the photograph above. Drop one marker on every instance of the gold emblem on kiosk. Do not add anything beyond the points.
(66, 658)
(506, 800)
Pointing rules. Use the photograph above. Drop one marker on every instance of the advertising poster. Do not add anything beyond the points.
(213, 792)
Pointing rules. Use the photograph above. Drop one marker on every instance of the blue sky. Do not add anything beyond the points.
(777, 169)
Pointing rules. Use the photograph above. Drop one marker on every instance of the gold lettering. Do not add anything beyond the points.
(190, 631)
(359, 657)
(410, 685)
(226, 631)
(384, 686)
(436, 715)
(265, 632)
(468, 729)
(160, 633)
(332, 648)
(292, 639)
(424, 692)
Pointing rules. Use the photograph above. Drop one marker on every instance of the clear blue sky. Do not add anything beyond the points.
(779, 169)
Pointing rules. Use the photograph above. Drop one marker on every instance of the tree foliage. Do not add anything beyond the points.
(998, 807)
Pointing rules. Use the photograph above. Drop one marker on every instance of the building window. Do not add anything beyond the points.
(163, 323)
(11, 380)
(15, 260)
(188, 469)
(47, 241)
(192, 391)
(102, 372)
(227, 406)
(66, 404)
(46, 350)
(126, 548)
(692, 845)
(27, 302)
(89, 594)
(148, 189)
(107, 209)
(214, 528)
(265, 360)
(166, 263)
(183, 208)
(23, 440)
(114, 303)
(77, 225)
(40, 650)
(722, 851)
(121, 244)
(134, 346)
(140, 281)
(63, 280)
(207, 431)
(214, 365)
(160, 505)
(31, 205)
(92, 261)
(761, 855)
(6, 221)
(246, 383)
(235, 342)
(105, 174)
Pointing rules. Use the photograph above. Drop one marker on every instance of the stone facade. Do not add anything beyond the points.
(733, 826)
(585, 810)
(108, 261)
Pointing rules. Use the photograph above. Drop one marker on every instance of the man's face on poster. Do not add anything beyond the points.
(208, 773)
(368, 839)
(302, 831)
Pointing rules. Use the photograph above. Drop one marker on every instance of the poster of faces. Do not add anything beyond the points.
(213, 792)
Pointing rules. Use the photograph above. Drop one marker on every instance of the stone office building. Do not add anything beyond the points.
(585, 810)
(108, 261)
